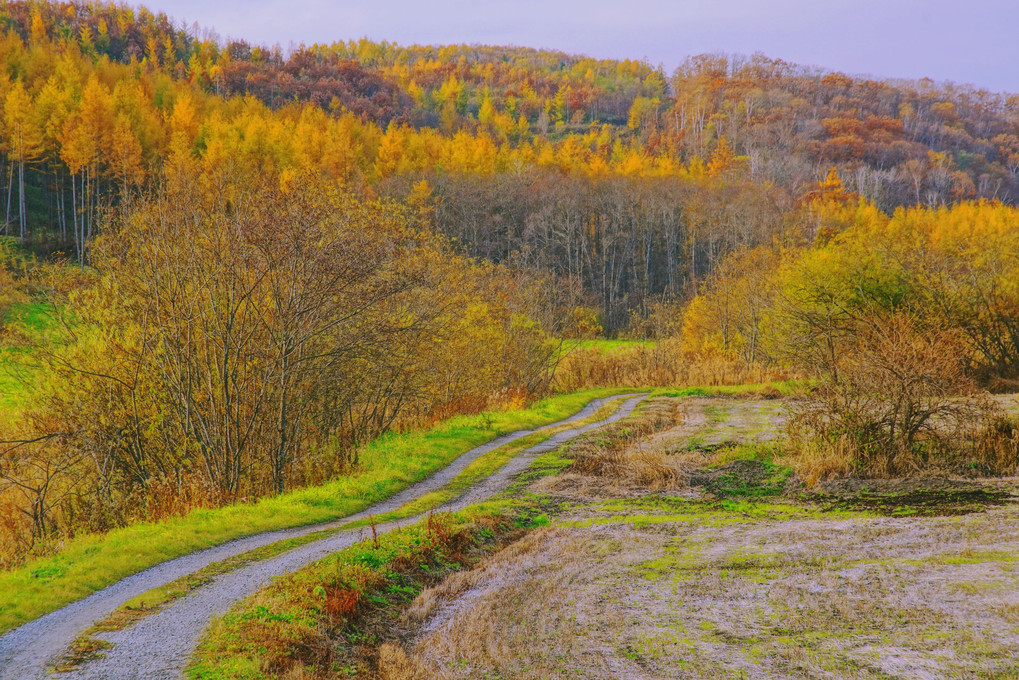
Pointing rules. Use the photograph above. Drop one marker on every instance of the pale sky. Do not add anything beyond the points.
(966, 41)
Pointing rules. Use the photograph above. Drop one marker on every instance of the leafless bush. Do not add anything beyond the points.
(896, 400)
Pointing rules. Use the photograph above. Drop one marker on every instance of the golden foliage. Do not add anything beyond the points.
(243, 337)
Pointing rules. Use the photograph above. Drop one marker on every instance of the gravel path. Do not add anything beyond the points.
(160, 645)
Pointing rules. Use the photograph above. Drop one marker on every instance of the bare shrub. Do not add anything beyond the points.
(896, 399)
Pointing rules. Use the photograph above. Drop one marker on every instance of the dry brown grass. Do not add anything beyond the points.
(661, 365)
(511, 616)
(731, 597)
(625, 453)
(394, 664)
(816, 461)
(498, 626)
(659, 448)
(996, 443)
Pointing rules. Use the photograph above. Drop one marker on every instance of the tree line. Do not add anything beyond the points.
(101, 101)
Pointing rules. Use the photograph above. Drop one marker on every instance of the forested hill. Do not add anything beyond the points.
(631, 180)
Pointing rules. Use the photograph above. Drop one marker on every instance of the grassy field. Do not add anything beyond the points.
(391, 463)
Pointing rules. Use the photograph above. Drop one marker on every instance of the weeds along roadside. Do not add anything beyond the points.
(336, 613)
(89, 563)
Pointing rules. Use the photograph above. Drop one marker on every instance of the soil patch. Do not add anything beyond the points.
(929, 496)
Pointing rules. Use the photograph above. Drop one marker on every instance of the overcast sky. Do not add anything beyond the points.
(966, 41)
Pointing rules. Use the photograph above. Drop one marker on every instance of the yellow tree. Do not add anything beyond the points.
(723, 158)
(53, 105)
(391, 151)
(830, 208)
(38, 32)
(486, 112)
(126, 156)
(131, 101)
(183, 130)
(85, 140)
(23, 142)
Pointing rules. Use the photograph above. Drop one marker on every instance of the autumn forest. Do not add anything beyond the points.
(230, 272)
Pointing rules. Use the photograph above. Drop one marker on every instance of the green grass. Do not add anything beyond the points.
(771, 482)
(13, 393)
(652, 510)
(766, 453)
(390, 463)
(36, 324)
(784, 388)
(35, 318)
(606, 346)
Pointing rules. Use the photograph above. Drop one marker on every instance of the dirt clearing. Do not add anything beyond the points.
(638, 594)
(675, 583)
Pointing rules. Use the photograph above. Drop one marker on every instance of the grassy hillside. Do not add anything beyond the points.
(26, 326)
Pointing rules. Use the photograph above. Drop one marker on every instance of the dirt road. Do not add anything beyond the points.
(159, 646)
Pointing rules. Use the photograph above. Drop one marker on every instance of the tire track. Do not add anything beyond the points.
(159, 646)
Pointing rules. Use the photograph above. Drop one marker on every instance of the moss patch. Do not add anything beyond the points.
(744, 479)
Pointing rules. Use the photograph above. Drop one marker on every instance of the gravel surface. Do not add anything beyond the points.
(160, 645)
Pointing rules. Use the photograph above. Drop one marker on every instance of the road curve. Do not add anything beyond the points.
(159, 646)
